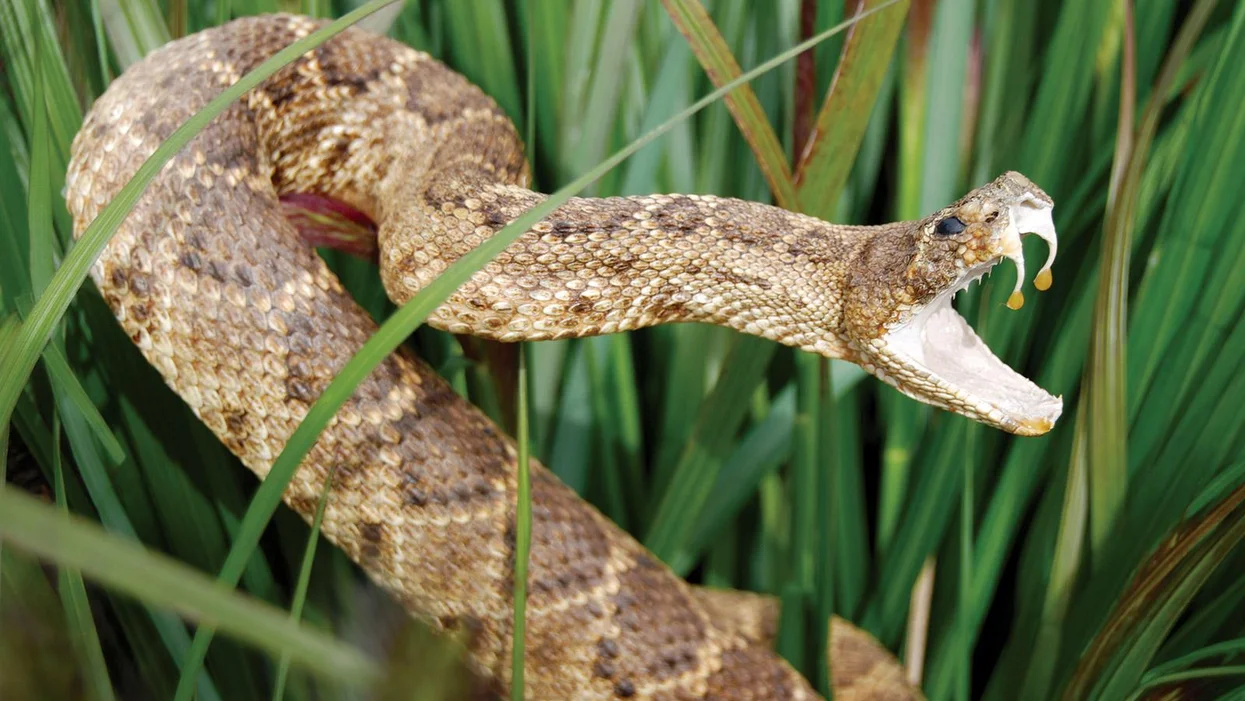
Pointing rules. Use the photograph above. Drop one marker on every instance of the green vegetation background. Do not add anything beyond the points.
(1096, 562)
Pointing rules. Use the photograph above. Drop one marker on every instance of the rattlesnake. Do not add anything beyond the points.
(248, 325)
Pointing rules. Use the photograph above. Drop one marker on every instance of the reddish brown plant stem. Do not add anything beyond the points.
(805, 79)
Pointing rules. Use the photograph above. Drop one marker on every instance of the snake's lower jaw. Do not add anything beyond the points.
(944, 363)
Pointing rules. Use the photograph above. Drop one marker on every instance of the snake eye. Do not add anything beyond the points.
(949, 226)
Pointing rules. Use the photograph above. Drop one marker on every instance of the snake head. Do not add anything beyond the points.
(899, 316)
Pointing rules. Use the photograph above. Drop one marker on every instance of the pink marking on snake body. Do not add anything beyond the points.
(326, 222)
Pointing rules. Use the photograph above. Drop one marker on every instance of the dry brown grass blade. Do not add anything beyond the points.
(1161, 587)
(828, 157)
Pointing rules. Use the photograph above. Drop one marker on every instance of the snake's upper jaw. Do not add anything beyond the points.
(941, 361)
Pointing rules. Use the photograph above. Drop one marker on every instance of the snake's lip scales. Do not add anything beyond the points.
(938, 343)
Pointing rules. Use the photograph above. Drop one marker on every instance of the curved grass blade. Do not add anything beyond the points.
(1187, 676)
(1107, 422)
(399, 326)
(1160, 590)
(158, 580)
(1227, 648)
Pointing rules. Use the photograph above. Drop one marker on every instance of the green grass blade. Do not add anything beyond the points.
(23, 27)
(67, 383)
(702, 457)
(765, 447)
(571, 448)
(479, 42)
(1226, 648)
(1190, 675)
(1065, 569)
(43, 253)
(522, 538)
(600, 113)
(523, 488)
(135, 28)
(73, 542)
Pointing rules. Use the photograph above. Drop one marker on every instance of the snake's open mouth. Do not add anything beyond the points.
(939, 344)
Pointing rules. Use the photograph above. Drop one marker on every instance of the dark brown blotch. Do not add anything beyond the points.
(371, 532)
(337, 79)
(140, 284)
(373, 535)
(604, 669)
(416, 497)
(407, 426)
(235, 420)
(218, 270)
(194, 239)
(299, 324)
(298, 390)
(191, 260)
(140, 312)
(280, 92)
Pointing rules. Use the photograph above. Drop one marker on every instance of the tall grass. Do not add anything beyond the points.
(1098, 562)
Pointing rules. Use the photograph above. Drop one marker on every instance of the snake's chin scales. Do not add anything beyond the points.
(223, 294)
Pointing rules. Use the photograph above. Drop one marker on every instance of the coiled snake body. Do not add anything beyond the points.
(248, 325)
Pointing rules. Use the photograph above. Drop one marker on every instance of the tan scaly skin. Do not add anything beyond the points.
(248, 325)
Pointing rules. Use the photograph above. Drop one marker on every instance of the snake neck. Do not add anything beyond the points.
(601, 265)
